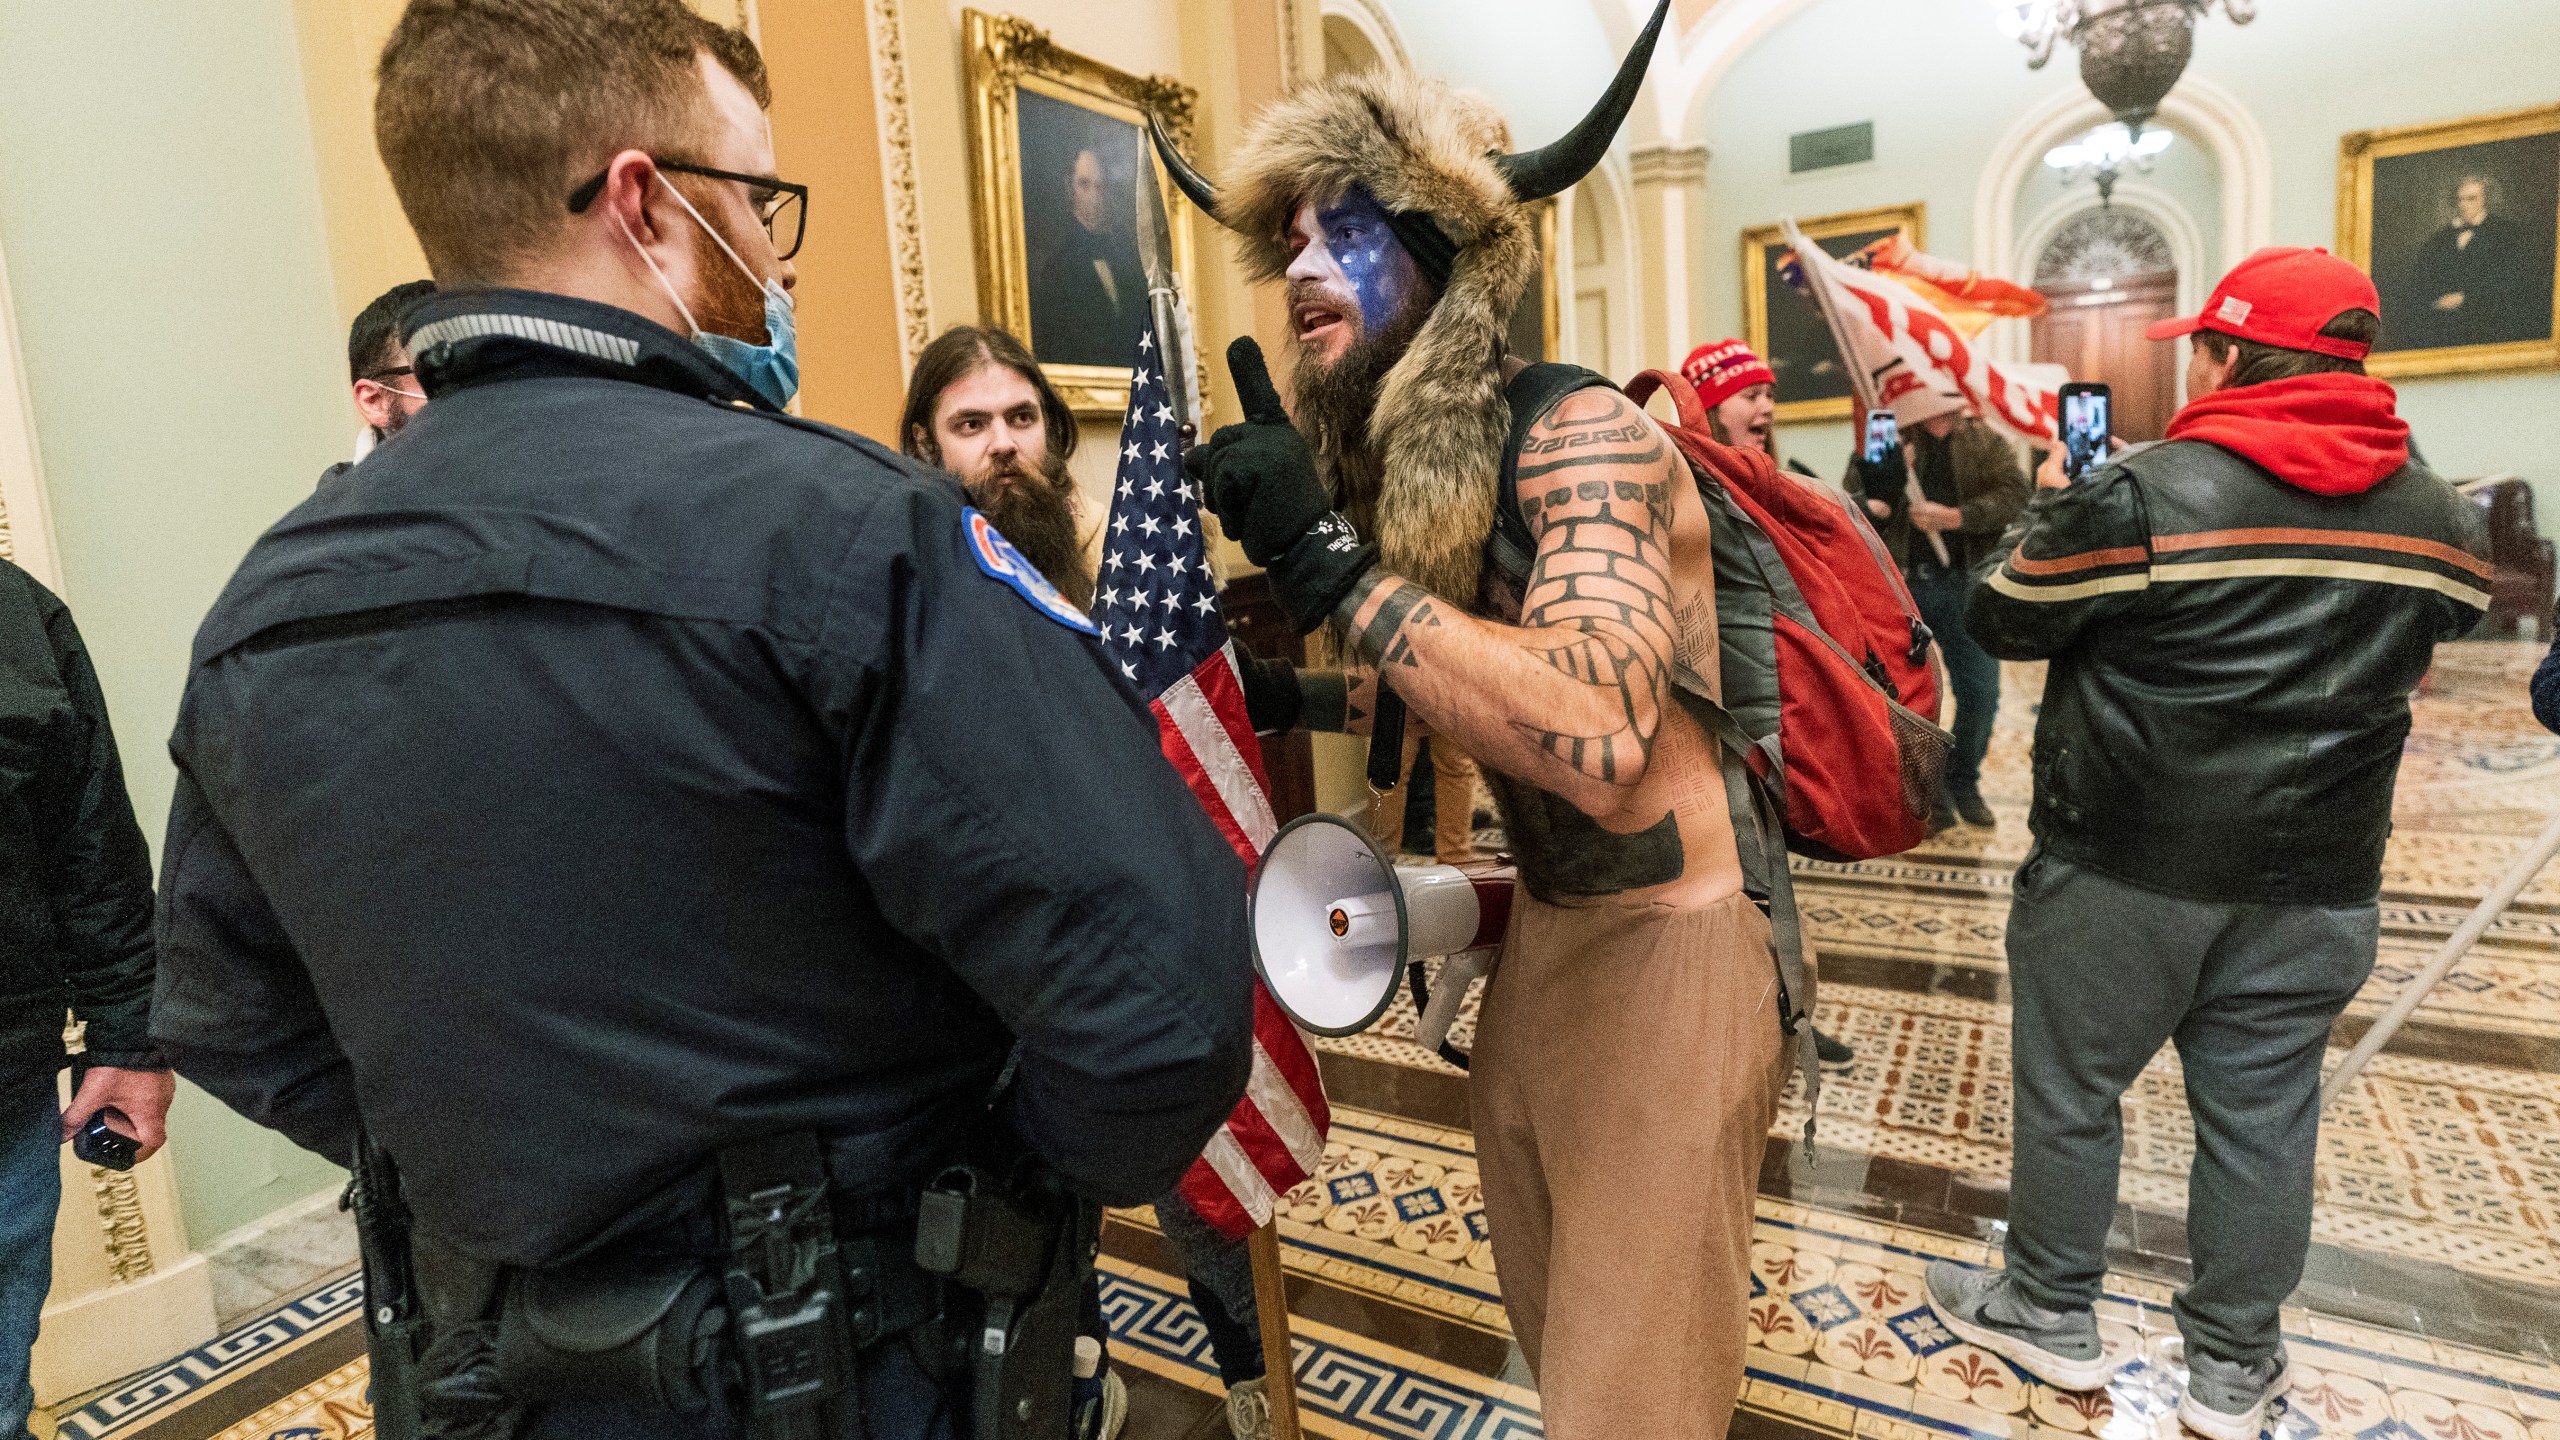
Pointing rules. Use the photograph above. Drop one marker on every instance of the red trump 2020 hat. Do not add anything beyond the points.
(2281, 296)
(1723, 370)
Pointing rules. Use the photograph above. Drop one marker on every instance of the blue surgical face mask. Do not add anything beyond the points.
(772, 369)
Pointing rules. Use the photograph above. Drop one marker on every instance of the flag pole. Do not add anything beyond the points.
(1817, 289)
(2528, 863)
(1271, 1307)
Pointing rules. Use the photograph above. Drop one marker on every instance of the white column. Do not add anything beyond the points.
(1670, 183)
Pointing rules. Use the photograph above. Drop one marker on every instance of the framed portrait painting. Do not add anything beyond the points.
(1786, 329)
(1537, 325)
(2459, 224)
(1055, 142)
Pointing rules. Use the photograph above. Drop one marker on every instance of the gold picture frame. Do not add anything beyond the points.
(1537, 331)
(2398, 184)
(1009, 59)
(1803, 347)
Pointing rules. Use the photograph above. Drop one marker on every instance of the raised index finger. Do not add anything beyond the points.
(1254, 390)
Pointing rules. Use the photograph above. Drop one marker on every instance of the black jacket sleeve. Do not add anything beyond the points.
(234, 1009)
(2077, 554)
(1008, 801)
(97, 868)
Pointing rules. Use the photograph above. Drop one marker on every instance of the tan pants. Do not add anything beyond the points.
(1453, 809)
(1627, 1070)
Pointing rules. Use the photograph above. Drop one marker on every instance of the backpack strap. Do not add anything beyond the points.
(1533, 393)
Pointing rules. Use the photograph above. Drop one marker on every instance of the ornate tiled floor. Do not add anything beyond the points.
(2429, 1310)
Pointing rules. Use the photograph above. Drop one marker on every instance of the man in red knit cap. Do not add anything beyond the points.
(2235, 619)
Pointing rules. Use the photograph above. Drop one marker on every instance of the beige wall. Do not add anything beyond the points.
(370, 247)
(826, 135)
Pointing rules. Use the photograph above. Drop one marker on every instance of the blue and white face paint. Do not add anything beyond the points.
(1351, 277)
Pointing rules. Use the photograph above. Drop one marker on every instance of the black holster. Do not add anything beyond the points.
(1026, 1248)
(395, 1329)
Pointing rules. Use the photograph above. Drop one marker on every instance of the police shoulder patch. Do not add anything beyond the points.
(996, 556)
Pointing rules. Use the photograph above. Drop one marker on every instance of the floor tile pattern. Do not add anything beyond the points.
(2441, 1166)
(144, 1398)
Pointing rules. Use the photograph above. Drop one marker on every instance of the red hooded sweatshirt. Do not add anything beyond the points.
(2331, 434)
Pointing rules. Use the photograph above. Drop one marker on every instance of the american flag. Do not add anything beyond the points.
(1157, 606)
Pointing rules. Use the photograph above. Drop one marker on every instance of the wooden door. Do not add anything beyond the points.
(2095, 330)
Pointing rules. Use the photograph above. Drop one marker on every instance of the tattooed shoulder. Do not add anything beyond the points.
(1594, 453)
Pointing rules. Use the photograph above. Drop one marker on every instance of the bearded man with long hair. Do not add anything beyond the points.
(1515, 555)
(979, 407)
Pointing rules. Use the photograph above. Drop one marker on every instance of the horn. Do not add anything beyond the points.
(1537, 174)
(1189, 181)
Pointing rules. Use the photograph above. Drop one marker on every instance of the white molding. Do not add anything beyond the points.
(26, 521)
(1618, 289)
(2206, 113)
(1700, 57)
(2014, 339)
(1376, 26)
(94, 1338)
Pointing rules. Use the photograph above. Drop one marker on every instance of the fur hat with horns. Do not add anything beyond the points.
(1434, 158)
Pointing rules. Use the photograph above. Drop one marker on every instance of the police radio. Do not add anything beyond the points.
(1336, 926)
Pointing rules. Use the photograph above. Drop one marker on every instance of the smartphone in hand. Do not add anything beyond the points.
(1882, 435)
(2087, 421)
(98, 1142)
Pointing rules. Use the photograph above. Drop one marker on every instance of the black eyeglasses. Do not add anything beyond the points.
(781, 206)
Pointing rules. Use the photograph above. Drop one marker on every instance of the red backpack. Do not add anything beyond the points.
(1807, 595)
(1831, 684)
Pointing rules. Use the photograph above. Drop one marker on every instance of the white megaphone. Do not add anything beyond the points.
(1335, 926)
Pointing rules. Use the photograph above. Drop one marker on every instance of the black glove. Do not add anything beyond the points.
(1260, 480)
(1273, 698)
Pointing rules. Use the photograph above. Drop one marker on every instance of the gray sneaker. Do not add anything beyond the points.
(2225, 1401)
(2058, 1347)
(1249, 1411)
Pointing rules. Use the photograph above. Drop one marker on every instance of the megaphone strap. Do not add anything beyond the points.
(1386, 741)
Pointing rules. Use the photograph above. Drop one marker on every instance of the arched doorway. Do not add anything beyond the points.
(1358, 36)
(2109, 274)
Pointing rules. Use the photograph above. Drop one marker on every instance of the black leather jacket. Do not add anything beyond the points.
(611, 769)
(75, 877)
(2232, 661)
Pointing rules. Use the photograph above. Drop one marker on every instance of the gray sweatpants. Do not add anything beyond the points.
(2101, 973)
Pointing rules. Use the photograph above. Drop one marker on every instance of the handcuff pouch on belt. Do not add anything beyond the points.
(769, 1329)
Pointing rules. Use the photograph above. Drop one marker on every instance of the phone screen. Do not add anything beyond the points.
(2086, 424)
(1882, 434)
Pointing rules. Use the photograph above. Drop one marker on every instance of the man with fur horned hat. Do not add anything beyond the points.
(1628, 1056)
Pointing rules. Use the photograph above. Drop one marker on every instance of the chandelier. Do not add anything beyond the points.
(2131, 51)
(2104, 154)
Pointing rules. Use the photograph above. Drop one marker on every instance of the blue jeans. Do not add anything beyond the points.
(1971, 672)
(30, 1193)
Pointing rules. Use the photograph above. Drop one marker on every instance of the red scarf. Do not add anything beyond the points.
(2333, 434)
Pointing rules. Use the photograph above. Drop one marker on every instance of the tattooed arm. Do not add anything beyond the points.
(1570, 698)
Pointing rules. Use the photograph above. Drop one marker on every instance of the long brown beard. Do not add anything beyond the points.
(1333, 405)
(1030, 508)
